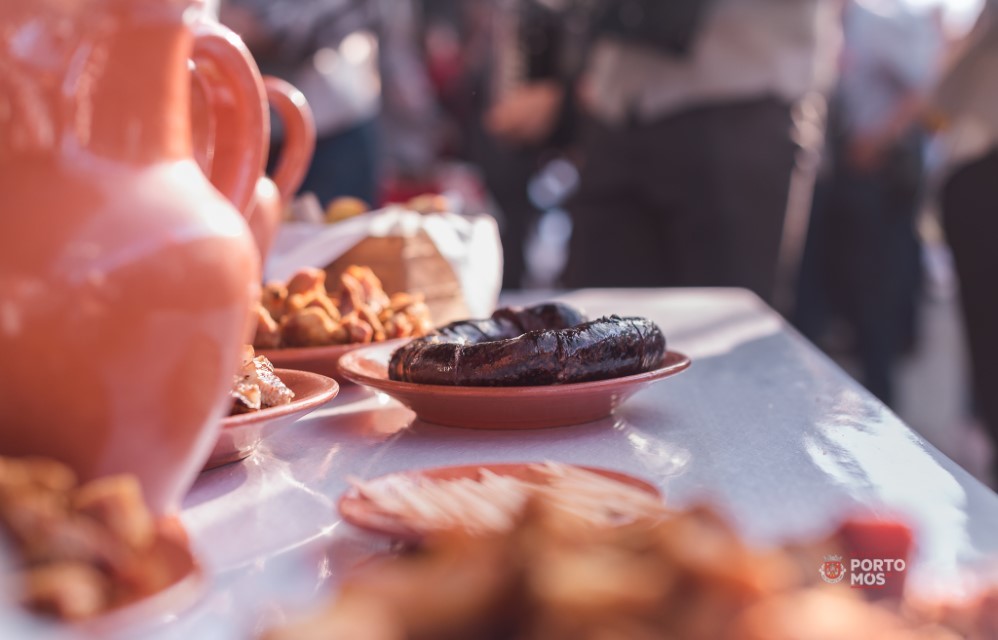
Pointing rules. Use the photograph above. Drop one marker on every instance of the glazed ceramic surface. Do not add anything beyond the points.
(126, 279)
(217, 126)
(241, 433)
(231, 125)
(536, 407)
(274, 194)
(359, 512)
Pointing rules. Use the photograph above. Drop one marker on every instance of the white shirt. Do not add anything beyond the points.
(968, 94)
(891, 52)
(745, 49)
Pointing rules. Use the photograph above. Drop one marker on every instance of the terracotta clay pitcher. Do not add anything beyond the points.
(126, 278)
(273, 196)
(213, 107)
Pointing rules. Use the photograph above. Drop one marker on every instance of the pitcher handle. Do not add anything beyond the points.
(238, 108)
(299, 135)
(203, 121)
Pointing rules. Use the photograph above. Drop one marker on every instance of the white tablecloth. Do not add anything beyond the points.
(762, 425)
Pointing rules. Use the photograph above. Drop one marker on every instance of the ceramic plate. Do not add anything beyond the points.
(503, 407)
(241, 433)
(321, 360)
(358, 511)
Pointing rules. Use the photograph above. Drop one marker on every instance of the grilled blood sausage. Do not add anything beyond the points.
(542, 345)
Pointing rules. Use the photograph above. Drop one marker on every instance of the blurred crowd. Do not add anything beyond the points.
(792, 147)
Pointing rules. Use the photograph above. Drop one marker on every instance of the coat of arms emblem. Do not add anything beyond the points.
(832, 570)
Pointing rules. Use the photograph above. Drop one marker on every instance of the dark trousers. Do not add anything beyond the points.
(862, 261)
(695, 199)
(507, 171)
(345, 164)
(970, 216)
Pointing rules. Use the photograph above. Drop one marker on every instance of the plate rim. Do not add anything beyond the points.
(407, 534)
(330, 389)
(320, 350)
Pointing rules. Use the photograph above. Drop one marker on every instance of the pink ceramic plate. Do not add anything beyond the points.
(503, 407)
(358, 510)
(241, 433)
(321, 360)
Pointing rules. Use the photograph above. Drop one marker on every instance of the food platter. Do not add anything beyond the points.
(504, 407)
(241, 433)
(321, 360)
(361, 512)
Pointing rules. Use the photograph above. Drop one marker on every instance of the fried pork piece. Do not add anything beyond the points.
(973, 619)
(66, 590)
(397, 325)
(38, 473)
(368, 620)
(322, 301)
(246, 394)
(360, 288)
(557, 577)
(116, 503)
(358, 330)
(368, 315)
(273, 298)
(406, 316)
(449, 591)
(268, 332)
(307, 281)
(273, 391)
(80, 549)
(256, 386)
(310, 327)
(307, 288)
(828, 614)
(303, 314)
(42, 527)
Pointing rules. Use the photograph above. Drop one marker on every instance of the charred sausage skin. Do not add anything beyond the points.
(541, 345)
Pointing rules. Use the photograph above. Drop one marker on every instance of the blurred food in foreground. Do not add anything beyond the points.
(81, 550)
(554, 576)
(256, 386)
(302, 313)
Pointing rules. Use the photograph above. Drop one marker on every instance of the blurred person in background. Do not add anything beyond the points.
(863, 258)
(359, 67)
(480, 52)
(967, 101)
(688, 143)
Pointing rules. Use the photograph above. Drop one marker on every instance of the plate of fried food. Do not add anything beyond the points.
(265, 399)
(558, 576)
(482, 499)
(524, 368)
(302, 325)
(91, 553)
